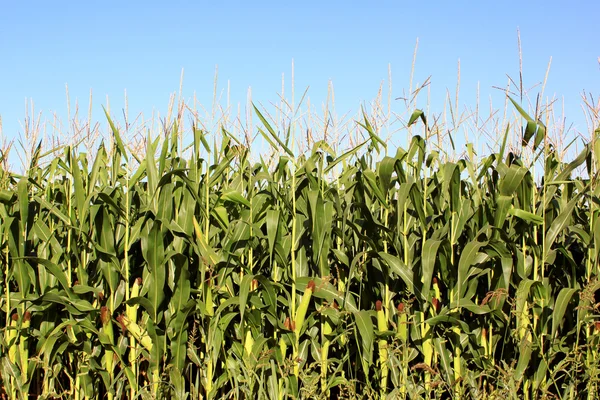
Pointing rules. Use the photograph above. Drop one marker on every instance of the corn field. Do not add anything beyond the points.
(207, 272)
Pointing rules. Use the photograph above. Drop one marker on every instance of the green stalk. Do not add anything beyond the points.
(342, 281)
(326, 329)
(383, 349)
(23, 345)
(523, 314)
(67, 190)
(207, 204)
(405, 233)
(251, 248)
(456, 328)
(539, 265)
(293, 251)
(593, 337)
(11, 340)
(387, 298)
(457, 362)
(107, 328)
(131, 312)
(402, 334)
(6, 279)
(249, 340)
(69, 211)
(592, 357)
(428, 349)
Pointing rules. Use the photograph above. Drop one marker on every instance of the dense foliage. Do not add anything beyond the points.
(202, 273)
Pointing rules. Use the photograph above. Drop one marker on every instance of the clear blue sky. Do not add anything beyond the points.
(142, 46)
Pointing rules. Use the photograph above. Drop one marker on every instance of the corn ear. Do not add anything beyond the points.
(71, 335)
(107, 328)
(457, 360)
(303, 307)
(484, 341)
(287, 325)
(436, 288)
(248, 342)
(523, 320)
(131, 311)
(11, 339)
(137, 332)
(283, 347)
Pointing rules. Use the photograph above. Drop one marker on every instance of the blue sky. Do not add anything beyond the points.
(142, 47)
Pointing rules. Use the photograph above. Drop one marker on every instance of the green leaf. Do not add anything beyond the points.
(512, 179)
(560, 307)
(56, 271)
(559, 224)
(467, 258)
(429, 256)
(416, 115)
(244, 291)
(399, 268)
(526, 216)
(532, 128)
(144, 302)
(343, 157)
(525, 349)
(452, 185)
(235, 197)
(80, 196)
(367, 335)
(445, 358)
(325, 290)
(385, 170)
(271, 132)
(375, 139)
(154, 254)
(116, 135)
(371, 181)
(272, 221)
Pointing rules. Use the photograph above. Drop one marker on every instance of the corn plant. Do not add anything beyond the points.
(207, 272)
